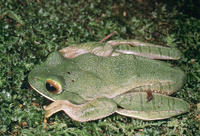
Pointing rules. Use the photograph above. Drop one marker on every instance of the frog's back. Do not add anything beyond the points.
(119, 74)
(108, 68)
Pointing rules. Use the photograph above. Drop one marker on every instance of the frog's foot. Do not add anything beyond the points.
(93, 48)
(137, 105)
(72, 52)
(93, 110)
(148, 50)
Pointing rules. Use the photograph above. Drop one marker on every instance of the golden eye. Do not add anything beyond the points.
(53, 86)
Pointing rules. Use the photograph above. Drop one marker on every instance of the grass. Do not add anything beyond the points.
(31, 29)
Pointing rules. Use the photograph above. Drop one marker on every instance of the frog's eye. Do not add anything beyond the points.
(53, 86)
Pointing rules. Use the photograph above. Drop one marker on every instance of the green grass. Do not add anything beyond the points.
(31, 29)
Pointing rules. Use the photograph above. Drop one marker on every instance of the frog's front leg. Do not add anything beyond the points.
(93, 110)
(148, 50)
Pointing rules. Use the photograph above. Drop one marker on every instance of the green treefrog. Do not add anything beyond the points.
(90, 81)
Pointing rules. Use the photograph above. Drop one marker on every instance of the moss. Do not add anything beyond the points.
(31, 29)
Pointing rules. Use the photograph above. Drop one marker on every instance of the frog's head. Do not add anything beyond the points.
(48, 78)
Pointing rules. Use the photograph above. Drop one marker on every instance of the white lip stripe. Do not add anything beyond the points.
(42, 93)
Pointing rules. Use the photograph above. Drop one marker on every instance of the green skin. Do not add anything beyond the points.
(99, 79)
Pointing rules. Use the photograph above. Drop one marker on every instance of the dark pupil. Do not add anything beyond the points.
(50, 87)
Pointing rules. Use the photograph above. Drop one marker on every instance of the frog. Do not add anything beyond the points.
(93, 80)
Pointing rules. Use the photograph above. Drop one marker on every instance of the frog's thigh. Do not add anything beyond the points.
(137, 105)
(95, 109)
(148, 50)
(167, 87)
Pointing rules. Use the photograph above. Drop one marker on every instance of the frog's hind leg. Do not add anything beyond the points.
(93, 110)
(157, 107)
(143, 49)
